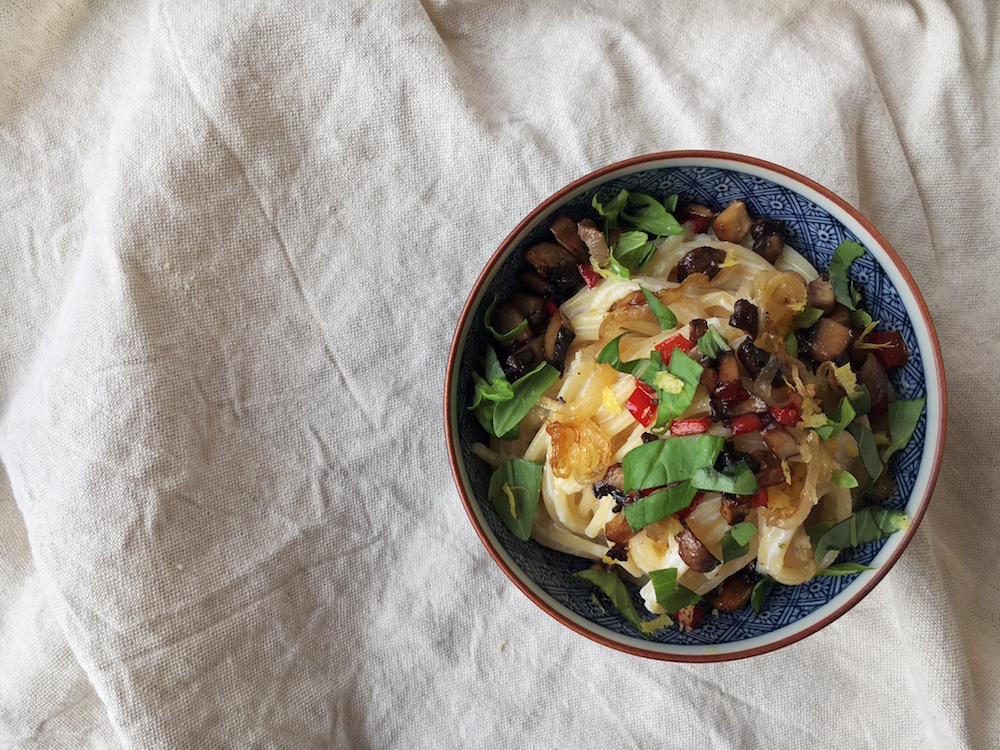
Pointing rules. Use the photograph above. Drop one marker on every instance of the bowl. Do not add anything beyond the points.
(816, 221)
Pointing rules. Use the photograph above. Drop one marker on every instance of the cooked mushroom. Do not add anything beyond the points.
(745, 317)
(781, 442)
(593, 238)
(633, 299)
(828, 340)
(563, 228)
(699, 215)
(734, 508)
(538, 285)
(770, 472)
(558, 336)
(705, 260)
(556, 265)
(734, 593)
(873, 376)
(753, 358)
(840, 314)
(531, 307)
(614, 481)
(617, 529)
(768, 238)
(506, 319)
(697, 328)
(710, 378)
(524, 359)
(733, 223)
(694, 553)
(821, 293)
(729, 456)
(729, 368)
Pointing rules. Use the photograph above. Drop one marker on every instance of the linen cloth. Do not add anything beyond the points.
(234, 242)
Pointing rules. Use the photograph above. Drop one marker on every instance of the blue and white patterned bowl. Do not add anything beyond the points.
(816, 222)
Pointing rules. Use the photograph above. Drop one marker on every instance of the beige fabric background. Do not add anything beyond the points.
(234, 242)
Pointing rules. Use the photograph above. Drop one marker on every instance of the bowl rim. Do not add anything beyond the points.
(933, 372)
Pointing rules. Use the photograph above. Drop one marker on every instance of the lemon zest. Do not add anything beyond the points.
(730, 260)
(611, 401)
(669, 383)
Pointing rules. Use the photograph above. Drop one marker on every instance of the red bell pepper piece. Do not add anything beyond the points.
(695, 501)
(745, 423)
(786, 415)
(730, 394)
(694, 426)
(892, 350)
(642, 404)
(689, 617)
(700, 223)
(760, 499)
(666, 348)
(552, 307)
(590, 276)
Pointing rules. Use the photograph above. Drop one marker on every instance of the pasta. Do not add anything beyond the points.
(731, 348)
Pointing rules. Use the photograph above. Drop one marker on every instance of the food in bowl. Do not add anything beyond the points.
(681, 397)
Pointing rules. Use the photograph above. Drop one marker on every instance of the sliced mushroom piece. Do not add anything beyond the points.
(734, 593)
(614, 481)
(734, 508)
(531, 307)
(705, 260)
(729, 368)
(873, 376)
(840, 314)
(563, 228)
(508, 318)
(781, 442)
(820, 293)
(697, 328)
(828, 340)
(710, 378)
(770, 472)
(593, 238)
(633, 299)
(554, 263)
(524, 359)
(699, 215)
(538, 285)
(745, 317)
(558, 336)
(753, 358)
(729, 456)
(733, 223)
(768, 238)
(694, 553)
(617, 530)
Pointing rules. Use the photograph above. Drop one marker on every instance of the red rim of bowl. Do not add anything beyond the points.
(934, 358)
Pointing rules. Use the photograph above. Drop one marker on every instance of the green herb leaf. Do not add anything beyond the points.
(527, 390)
(807, 318)
(514, 492)
(844, 569)
(659, 505)
(669, 595)
(620, 270)
(713, 343)
(843, 257)
(866, 525)
(736, 542)
(861, 319)
(664, 462)
(791, 345)
(610, 354)
(903, 418)
(649, 215)
(614, 588)
(612, 210)
(862, 401)
(867, 448)
(841, 478)
(489, 391)
(759, 594)
(501, 336)
(664, 316)
(633, 250)
(842, 416)
(672, 405)
(737, 479)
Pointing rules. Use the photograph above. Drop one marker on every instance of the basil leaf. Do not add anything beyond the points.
(633, 250)
(903, 418)
(736, 542)
(499, 390)
(669, 595)
(842, 416)
(514, 492)
(759, 594)
(501, 336)
(807, 318)
(713, 343)
(674, 404)
(612, 210)
(527, 390)
(610, 354)
(664, 316)
(862, 401)
(650, 215)
(619, 269)
(791, 345)
(864, 526)
(841, 478)
(658, 505)
(817, 530)
(844, 569)
(867, 448)
(664, 462)
(846, 253)
(737, 479)
(614, 588)
(861, 319)
(670, 203)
